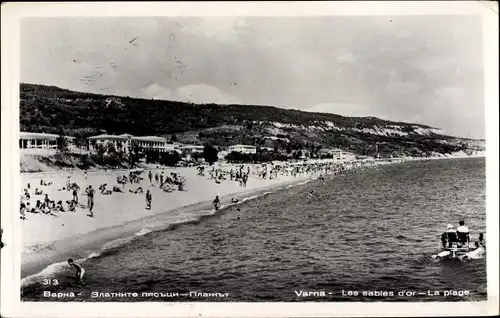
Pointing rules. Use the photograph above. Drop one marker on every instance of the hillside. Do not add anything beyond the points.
(54, 110)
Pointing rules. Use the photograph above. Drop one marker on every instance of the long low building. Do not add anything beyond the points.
(243, 148)
(31, 140)
(125, 141)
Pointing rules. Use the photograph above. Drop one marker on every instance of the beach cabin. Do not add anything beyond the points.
(30, 140)
(243, 149)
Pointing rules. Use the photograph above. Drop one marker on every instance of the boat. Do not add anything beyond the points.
(455, 249)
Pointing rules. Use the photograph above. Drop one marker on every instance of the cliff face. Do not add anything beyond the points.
(55, 110)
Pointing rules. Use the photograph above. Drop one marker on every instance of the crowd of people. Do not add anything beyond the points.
(240, 174)
(30, 203)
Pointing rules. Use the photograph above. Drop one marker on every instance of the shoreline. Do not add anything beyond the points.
(33, 262)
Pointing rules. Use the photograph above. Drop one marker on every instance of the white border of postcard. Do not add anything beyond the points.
(11, 306)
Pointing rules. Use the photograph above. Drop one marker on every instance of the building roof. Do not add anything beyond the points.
(323, 150)
(150, 138)
(191, 147)
(243, 146)
(31, 135)
(104, 136)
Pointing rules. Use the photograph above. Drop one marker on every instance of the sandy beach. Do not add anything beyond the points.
(118, 215)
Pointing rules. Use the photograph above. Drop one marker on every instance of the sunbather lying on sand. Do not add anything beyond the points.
(59, 207)
(138, 190)
(71, 205)
(117, 189)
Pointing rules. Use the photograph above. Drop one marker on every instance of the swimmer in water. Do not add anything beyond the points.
(216, 203)
(310, 194)
(79, 270)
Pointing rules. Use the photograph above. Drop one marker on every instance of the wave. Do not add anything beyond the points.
(110, 246)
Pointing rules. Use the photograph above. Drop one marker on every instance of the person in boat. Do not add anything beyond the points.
(463, 233)
(450, 235)
(478, 252)
(481, 239)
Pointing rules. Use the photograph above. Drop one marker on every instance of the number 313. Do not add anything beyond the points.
(50, 282)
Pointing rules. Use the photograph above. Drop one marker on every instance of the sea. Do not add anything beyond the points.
(366, 235)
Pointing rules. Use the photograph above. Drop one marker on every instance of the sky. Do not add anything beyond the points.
(418, 69)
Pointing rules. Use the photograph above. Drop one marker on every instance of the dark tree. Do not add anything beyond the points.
(210, 153)
(135, 154)
(62, 143)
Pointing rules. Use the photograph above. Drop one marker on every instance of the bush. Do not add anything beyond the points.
(169, 158)
(85, 162)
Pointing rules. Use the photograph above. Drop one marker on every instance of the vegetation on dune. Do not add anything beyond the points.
(54, 110)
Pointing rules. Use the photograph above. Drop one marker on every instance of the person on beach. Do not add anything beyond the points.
(68, 183)
(48, 202)
(90, 200)
(71, 206)
(85, 173)
(75, 195)
(23, 211)
(59, 207)
(149, 198)
(26, 194)
(150, 175)
(79, 270)
(216, 203)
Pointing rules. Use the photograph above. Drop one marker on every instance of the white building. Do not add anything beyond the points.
(120, 142)
(125, 141)
(30, 140)
(243, 148)
(336, 153)
(154, 143)
(188, 150)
